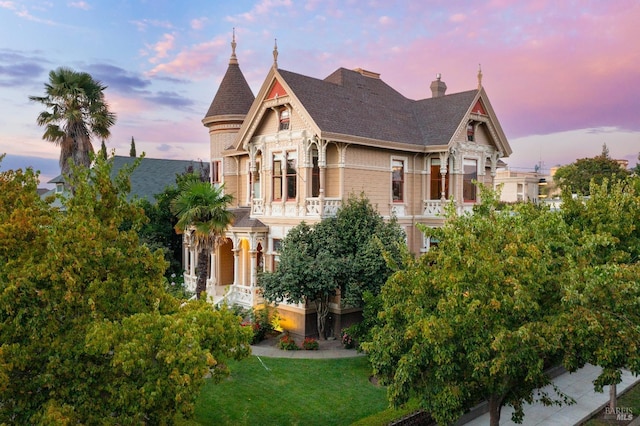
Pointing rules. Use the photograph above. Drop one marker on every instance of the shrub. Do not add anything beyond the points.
(260, 322)
(347, 340)
(310, 344)
(286, 343)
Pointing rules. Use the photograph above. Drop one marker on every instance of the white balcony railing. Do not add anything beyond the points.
(327, 207)
(436, 208)
(257, 206)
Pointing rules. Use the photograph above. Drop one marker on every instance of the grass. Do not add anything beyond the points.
(287, 391)
(630, 399)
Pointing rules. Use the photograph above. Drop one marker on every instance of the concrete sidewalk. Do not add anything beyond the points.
(328, 350)
(579, 386)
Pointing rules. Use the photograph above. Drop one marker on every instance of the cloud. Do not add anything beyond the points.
(162, 48)
(19, 69)
(198, 23)
(385, 20)
(80, 5)
(23, 12)
(143, 24)
(118, 78)
(263, 8)
(194, 61)
(170, 99)
(8, 5)
(458, 17)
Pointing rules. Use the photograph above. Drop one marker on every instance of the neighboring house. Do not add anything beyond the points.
(148, 179)
(519, 186)
(299, 148)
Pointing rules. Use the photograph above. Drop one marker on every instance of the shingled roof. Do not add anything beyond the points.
(351, 103)
(234, 96)
(153, 175)
(150, 178)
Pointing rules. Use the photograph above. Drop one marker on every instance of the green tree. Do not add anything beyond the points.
(469, 320)
(76, 110)
(576, 177)
(345, 253)
(103, 150)
(602, 313)
(132, 150)
(87, 333)
(202, 211)
(159, 232)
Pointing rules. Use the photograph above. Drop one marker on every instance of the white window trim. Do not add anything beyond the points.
(405, 165)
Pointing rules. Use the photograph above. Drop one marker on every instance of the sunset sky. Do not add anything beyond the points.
(562, 76)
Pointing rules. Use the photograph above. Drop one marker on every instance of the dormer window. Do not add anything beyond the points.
(59, 188)
(470, 132)
(284, 119)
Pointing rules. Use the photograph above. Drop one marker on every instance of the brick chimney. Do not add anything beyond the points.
(438, 87)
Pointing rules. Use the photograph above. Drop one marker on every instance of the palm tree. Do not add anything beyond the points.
(201, 209)
(76, 110)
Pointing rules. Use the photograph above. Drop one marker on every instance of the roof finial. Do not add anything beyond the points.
(479, 76)
(233, 60)
(275, 53)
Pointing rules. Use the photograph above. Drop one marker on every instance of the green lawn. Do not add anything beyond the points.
(291, 392)
(630, 400)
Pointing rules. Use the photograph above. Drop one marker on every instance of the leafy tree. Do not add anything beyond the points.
(76, 110)
(159, 232)
(345, 253)
(602, 314)
(469, 320)
(201, 209)
(576, 177)
(132, 150)
(103, 150)
(87, 333)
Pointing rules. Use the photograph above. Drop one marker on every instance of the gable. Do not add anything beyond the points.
(478, 108)
(276, 91)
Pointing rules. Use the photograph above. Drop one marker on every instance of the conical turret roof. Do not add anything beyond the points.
(234, 96)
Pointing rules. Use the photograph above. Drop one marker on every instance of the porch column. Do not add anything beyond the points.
(444, 161)
(236, 265)
(254, 270)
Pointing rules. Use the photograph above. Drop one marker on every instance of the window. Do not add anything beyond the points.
(216, 171)
(291, 177)
(397, 180)
(435, 190)
(277, 246)
(255, 181)
(315, 175)
(470, 174)
(277, 178)
(470, 132)
(284, 171)
(284, 119)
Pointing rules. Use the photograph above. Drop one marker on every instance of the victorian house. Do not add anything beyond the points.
(302, 145)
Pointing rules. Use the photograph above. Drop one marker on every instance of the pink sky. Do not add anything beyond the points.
(561, 76)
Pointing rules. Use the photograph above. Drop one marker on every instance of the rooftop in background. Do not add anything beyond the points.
(150, 178)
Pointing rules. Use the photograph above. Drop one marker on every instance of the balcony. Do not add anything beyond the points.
(313, 207)
(328, 207)
(436, 208)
